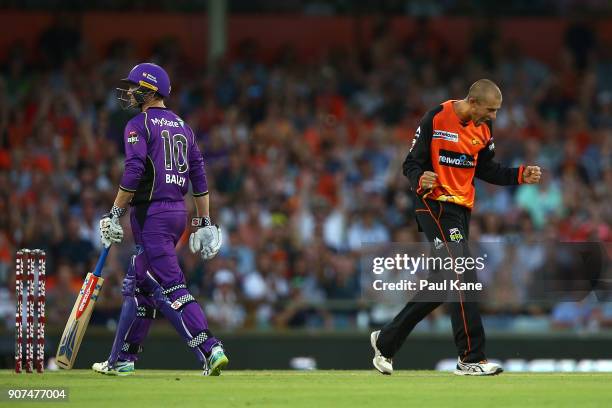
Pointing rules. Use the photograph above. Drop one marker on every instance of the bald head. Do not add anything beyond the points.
(484, 90)
(483, 101)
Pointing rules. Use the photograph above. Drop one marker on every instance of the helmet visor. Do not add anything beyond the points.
(132, 97)
(125, 98)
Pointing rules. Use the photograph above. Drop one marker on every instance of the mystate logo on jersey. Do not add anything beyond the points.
(166, 122)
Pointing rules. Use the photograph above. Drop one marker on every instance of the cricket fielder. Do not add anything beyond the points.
(452, 145)
(162, 157)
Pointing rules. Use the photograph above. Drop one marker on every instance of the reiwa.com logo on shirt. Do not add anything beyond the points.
(455, 159)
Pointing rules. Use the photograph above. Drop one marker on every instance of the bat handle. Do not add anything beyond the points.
(101, 260)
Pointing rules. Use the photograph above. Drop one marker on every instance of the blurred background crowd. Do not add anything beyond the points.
(304, 166)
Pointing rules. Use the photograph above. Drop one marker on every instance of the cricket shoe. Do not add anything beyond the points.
(216, 362)
(383, 364)
(121, 369)
(482, 368)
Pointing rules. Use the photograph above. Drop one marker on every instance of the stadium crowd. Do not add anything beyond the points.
(304, 165)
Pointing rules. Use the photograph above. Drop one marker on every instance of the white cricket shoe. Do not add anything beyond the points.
(482, 368)
(122, 368)
(383, 364)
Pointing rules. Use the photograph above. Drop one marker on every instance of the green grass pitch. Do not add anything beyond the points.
(316, 389)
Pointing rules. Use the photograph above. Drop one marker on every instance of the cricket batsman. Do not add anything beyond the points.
(452, 145)
(162, 158)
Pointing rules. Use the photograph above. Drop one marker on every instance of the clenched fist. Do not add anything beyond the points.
(428, 180)
(531, 174)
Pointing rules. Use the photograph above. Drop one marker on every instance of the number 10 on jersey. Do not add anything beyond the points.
(175, 151)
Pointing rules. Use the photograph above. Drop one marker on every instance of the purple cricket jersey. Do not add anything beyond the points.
(161, 157)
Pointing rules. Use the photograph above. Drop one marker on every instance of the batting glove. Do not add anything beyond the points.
(206, 240)
(111, 231)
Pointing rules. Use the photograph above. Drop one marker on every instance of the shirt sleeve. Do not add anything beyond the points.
(419, 157)
(197, 173)
(494, 172)
(135, 140)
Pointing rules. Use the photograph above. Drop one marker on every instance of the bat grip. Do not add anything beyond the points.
(101, 260)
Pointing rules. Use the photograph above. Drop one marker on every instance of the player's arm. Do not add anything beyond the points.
(207, 238)
(202, 206)
(135, 138)
(135, 142)
(123, 198)
(417, 167)
(493, 172)
(197, 176)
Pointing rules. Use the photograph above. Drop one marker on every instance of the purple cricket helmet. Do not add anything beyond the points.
(149, 78)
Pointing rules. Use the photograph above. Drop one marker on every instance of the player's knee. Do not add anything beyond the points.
(129, 282)
(158, 298)
(131, 277)
(178, 296)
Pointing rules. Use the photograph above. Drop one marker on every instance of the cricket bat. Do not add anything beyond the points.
(79, 317)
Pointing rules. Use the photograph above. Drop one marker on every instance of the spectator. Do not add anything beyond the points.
(224, 308)
(73, 248)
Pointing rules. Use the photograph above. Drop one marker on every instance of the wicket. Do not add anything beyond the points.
(30, 266)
